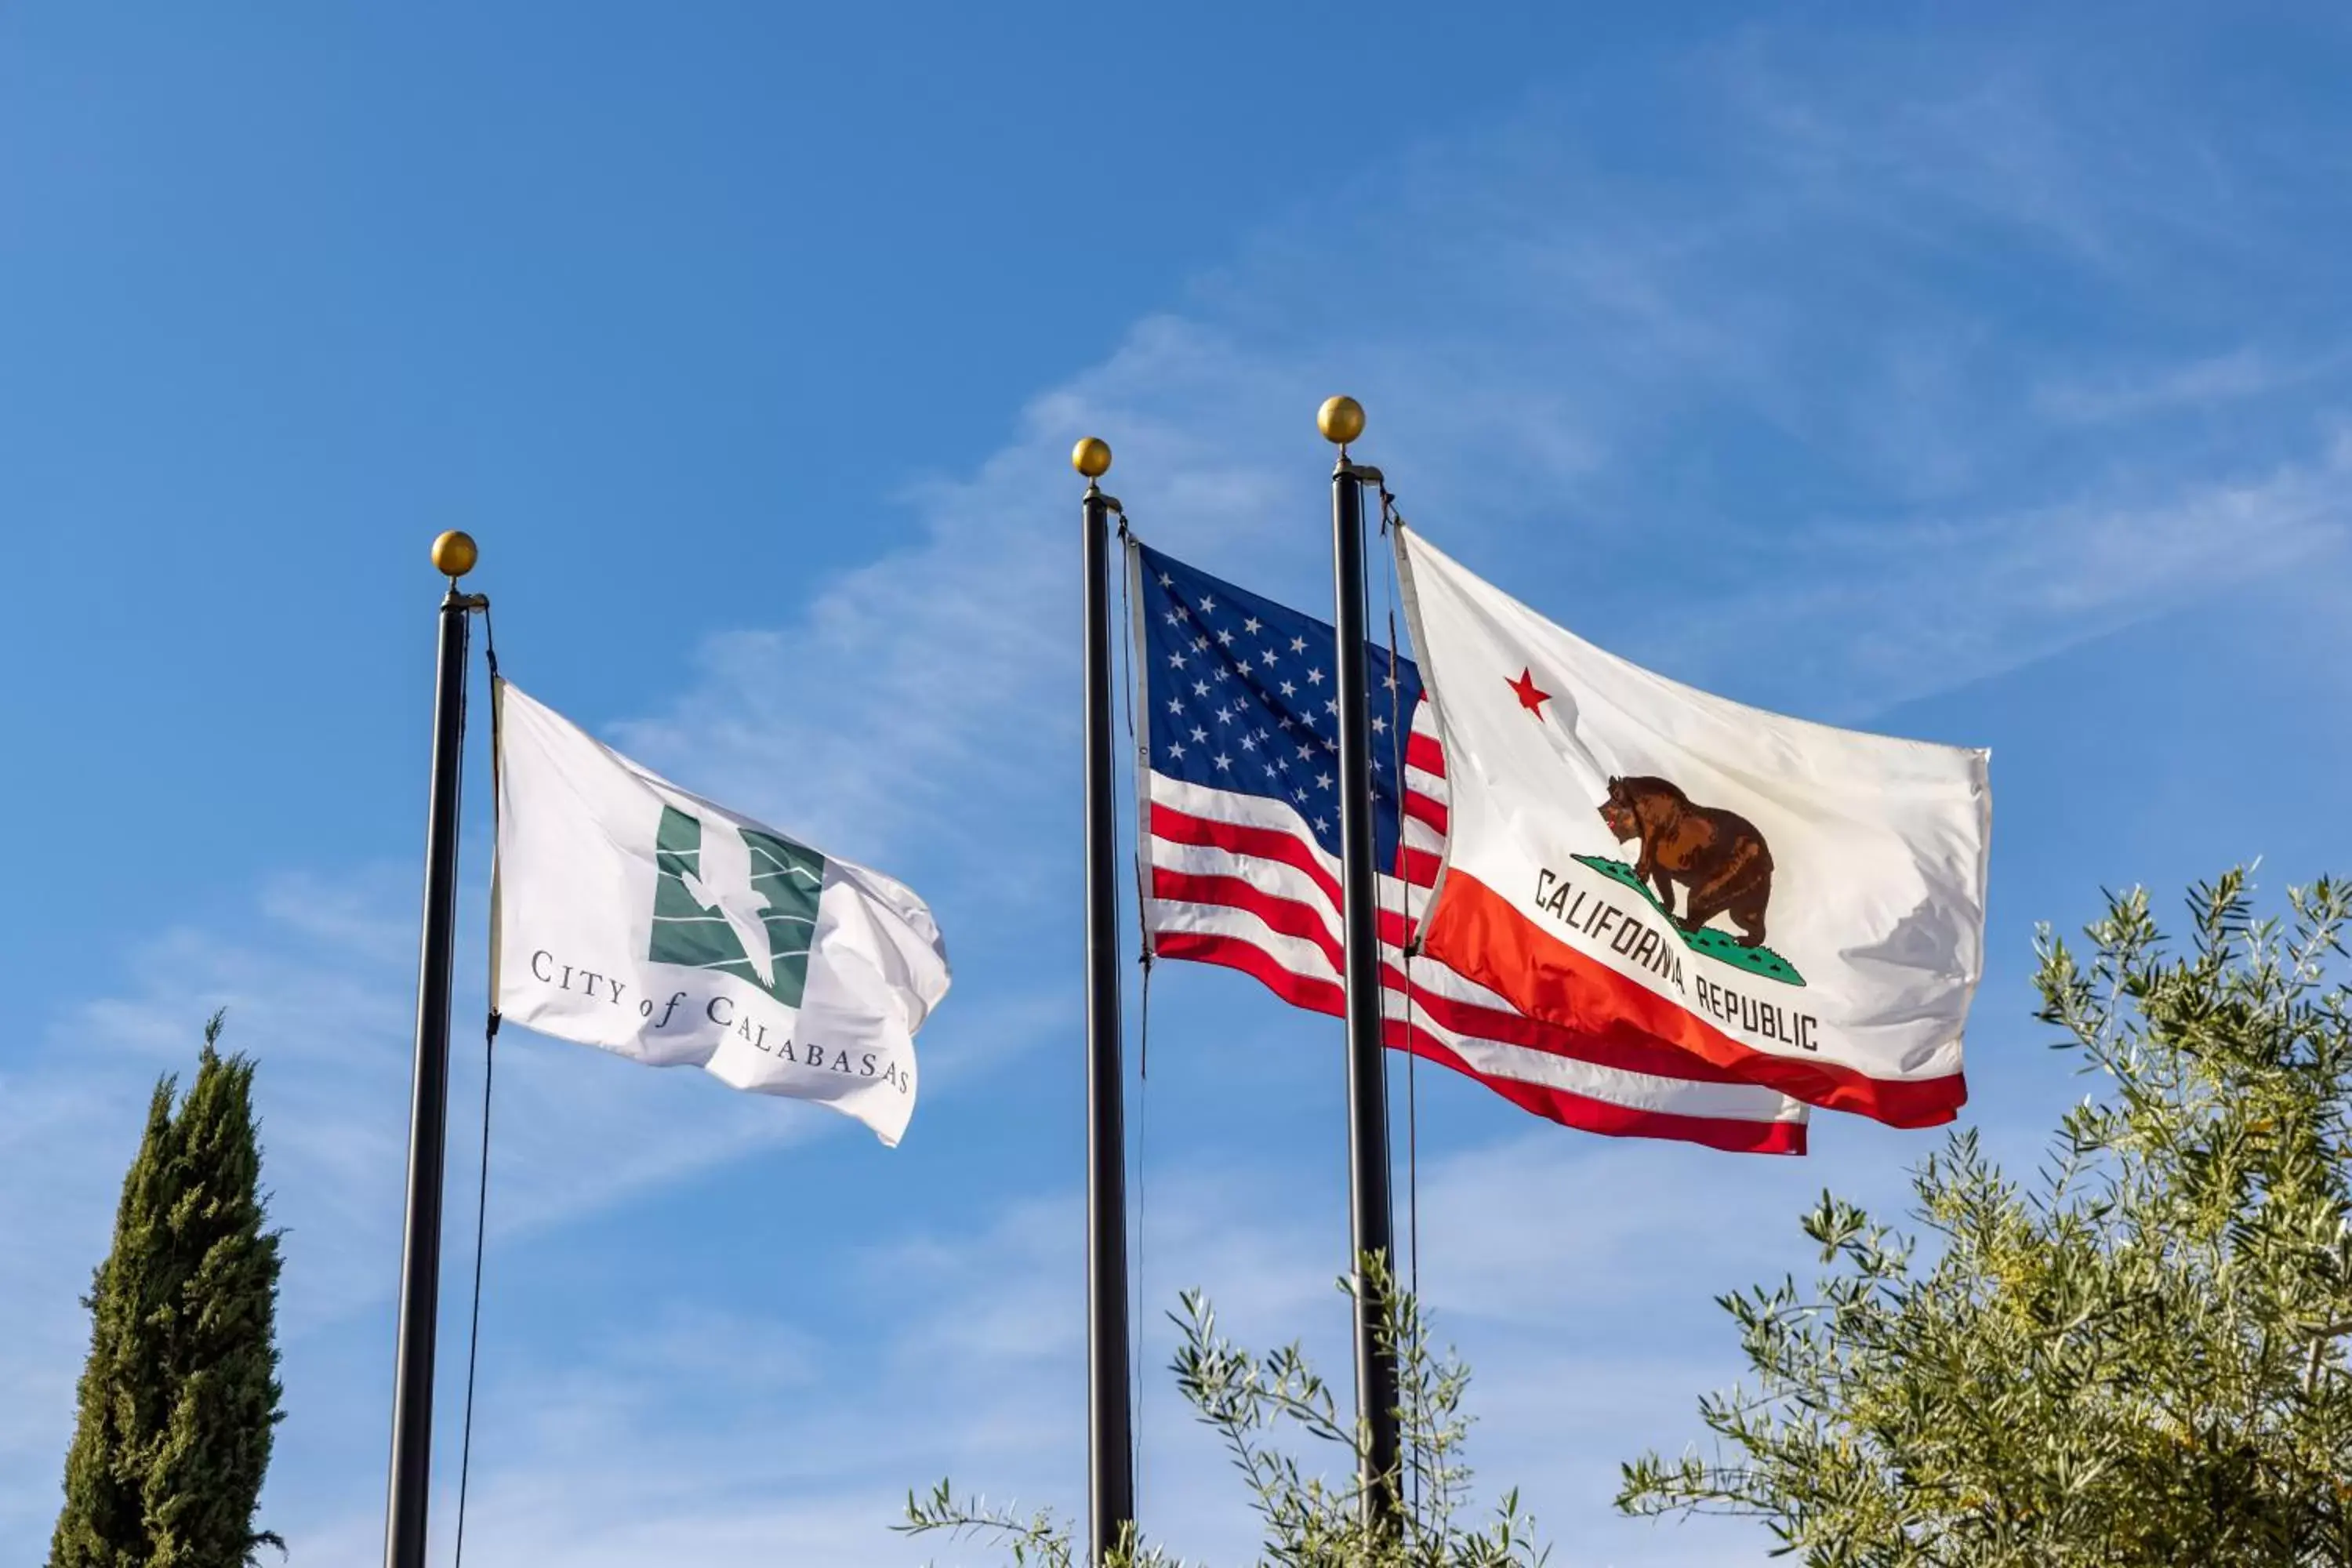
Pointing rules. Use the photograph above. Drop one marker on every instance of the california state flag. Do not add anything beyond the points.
(1800, 905)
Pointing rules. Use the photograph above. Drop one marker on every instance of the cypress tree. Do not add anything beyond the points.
(180, 1396)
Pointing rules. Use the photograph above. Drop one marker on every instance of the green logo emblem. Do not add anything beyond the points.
(737, 900)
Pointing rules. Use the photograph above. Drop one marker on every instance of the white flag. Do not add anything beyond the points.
(1800, 905)
(638, 918)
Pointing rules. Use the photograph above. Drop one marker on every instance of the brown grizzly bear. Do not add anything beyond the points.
(1717, 855)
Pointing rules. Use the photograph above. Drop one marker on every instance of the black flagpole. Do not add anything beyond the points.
(1111, 1448)
(1373, 1221)
(428, 1114)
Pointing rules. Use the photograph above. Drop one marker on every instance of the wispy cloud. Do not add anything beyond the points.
(1776, 380)
(1934, 602)
(319, 991)
(2199, 385)
(701, 1427)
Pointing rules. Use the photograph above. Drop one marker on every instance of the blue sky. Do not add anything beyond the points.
(1990, 383)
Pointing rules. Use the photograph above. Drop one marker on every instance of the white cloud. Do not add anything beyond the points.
(1878, 613)
(330, 1023)
(2237, 375)
(701, 1429)
(1554, 358)
(320, 994)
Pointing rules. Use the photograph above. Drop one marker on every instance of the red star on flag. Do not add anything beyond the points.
(1530, 697)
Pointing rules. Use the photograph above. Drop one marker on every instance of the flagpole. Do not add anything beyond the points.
(1110, 1446)
(1342, 420)
(420, 1261)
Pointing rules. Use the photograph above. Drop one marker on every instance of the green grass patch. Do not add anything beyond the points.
(1719, 945)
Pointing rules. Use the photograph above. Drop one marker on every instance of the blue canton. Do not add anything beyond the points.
(1243, 696)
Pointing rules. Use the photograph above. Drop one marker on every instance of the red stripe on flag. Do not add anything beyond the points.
(1315, 923)
(1421, 808)
(1727, 1133)
(1298, 990)
(1266, 843)
(1423, 752)
(1626, 1049)
(1477, 933)
(1575, 1110)
(1309, 922)
(1287, 916)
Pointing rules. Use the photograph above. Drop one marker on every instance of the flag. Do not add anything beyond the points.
(1241, 825)
(1802, 905)
(640, 918)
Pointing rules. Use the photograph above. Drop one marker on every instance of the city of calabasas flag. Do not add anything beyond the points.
(1798, 905)
(638, 918)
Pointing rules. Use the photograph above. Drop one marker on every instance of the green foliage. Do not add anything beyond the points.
(180, 1396)
(2137, 1358)
(1250, 1400)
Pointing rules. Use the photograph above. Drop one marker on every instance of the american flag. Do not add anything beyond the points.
(1241, 828)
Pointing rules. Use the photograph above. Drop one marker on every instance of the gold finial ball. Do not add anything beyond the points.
(1091, 456)
(1342, 420)
(454, 555)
